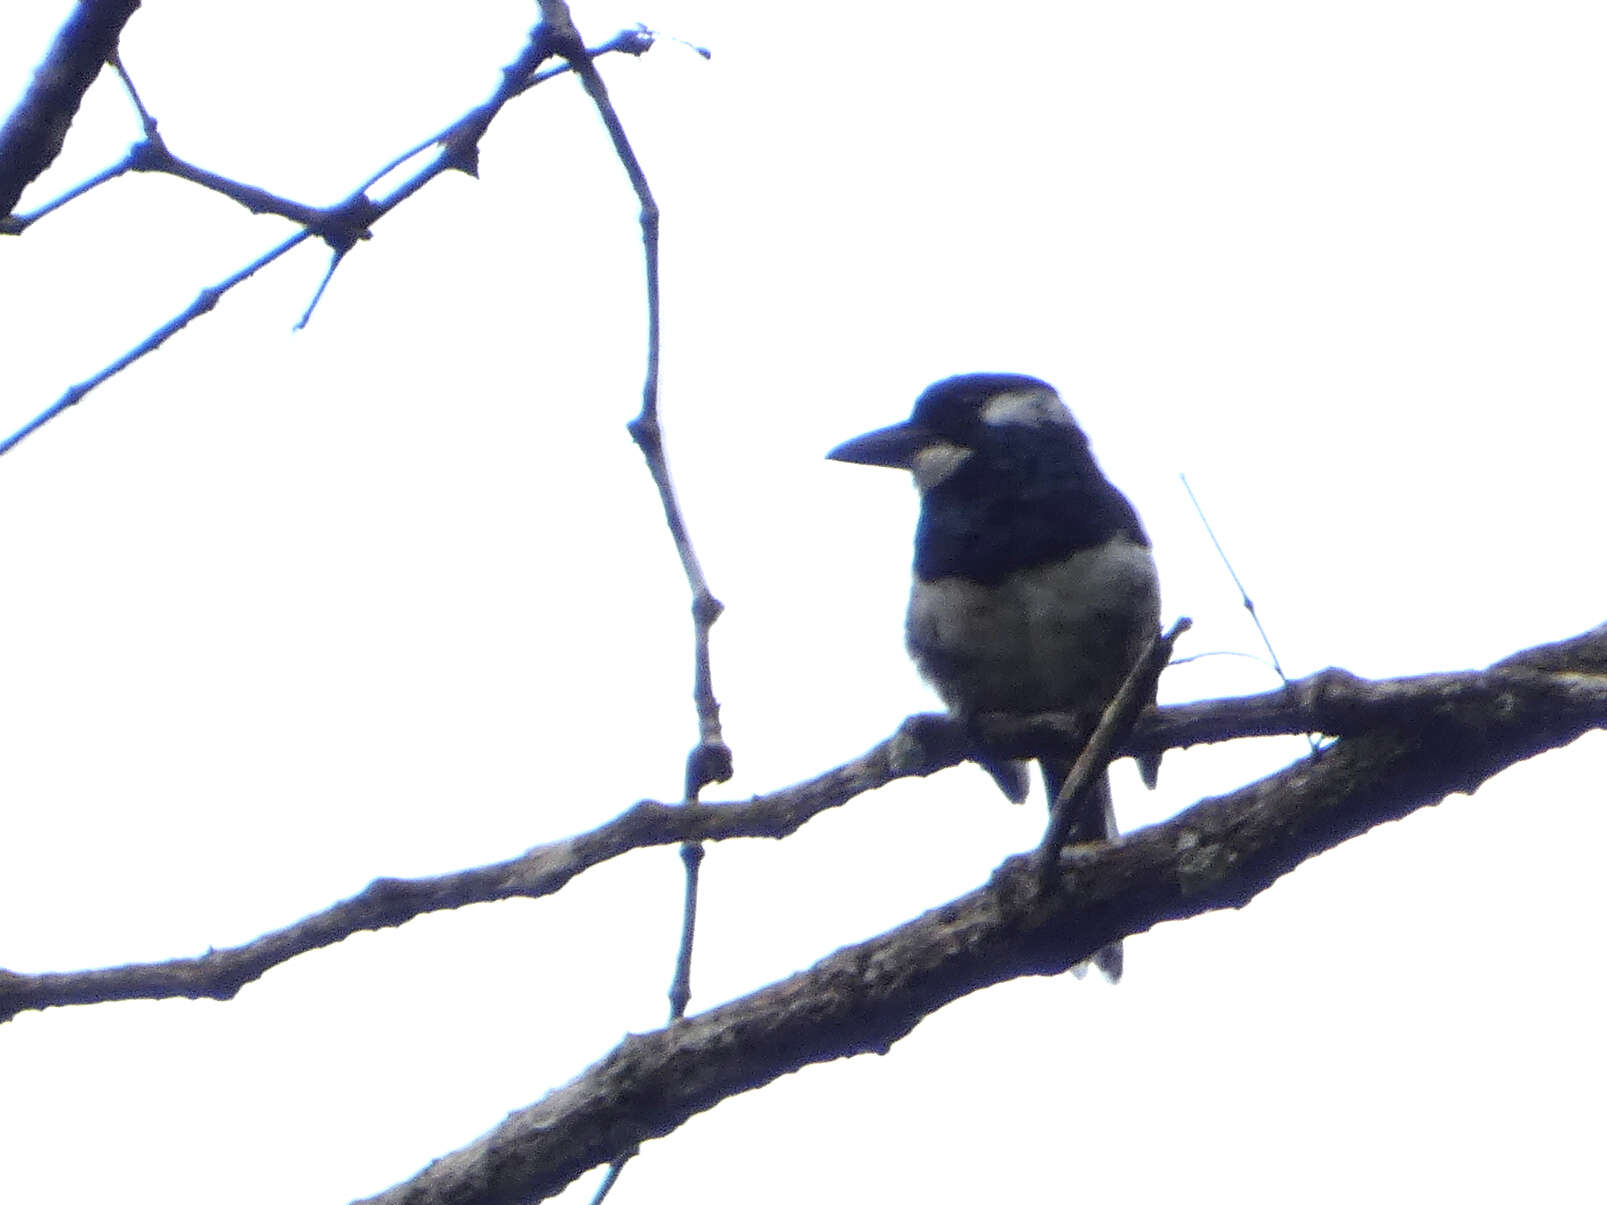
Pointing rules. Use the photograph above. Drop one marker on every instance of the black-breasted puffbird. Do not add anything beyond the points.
(1034, 587)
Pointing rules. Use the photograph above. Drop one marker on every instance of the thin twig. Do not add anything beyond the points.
(710, 759)
(1114, 727)
(634, 42)
(318, 294)
(609, 1180)
(145, 157)
(1244, 595)
(341, 226)
(16, 223)
(146, 121)
(204, 303)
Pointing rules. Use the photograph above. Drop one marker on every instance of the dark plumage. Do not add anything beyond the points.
(1034, 588)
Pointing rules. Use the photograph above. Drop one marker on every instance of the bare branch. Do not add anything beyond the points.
(1114, 726)
(385, 903)
(710, 759)
(1545, 696)
(204, 303)
(1218, 854)
(341, 225)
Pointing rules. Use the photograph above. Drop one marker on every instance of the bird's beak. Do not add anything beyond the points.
(890, 447)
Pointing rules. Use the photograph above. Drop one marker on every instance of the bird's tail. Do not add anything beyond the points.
(1095, 821)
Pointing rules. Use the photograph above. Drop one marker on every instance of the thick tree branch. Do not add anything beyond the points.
(1220, 853)
(32, 136)
(1552, 693)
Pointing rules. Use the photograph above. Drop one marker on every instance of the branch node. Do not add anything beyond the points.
(636, 41)
(345, 225)
(150, 154)
(706, 609)
(460, 150)
(708, 762)
(644, 431)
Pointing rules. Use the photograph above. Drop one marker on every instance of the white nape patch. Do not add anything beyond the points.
(936, 463)
(1027, 408)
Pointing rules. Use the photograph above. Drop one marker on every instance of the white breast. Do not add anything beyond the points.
(1054, 638)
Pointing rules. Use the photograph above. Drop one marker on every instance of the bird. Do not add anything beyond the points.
(1034, 586)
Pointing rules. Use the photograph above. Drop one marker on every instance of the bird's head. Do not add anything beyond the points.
(960, 418)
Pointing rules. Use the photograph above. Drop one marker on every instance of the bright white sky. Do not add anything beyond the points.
(391, 595)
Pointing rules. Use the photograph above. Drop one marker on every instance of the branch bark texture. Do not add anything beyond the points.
(32, 136)
(1465, 727)
(1220, 853)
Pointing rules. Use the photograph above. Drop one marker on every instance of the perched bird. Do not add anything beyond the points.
(1034, 587)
